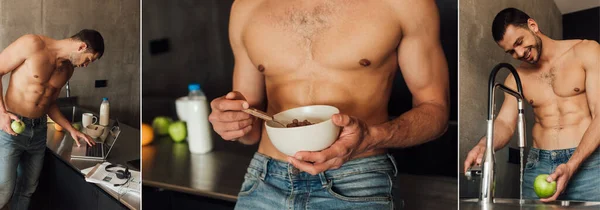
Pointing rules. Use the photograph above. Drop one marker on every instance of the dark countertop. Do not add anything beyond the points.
(126, 148)
(218, 174)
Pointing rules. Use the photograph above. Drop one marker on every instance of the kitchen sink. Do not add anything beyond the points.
(509, 203)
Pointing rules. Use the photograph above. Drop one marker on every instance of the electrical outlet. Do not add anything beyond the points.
(100, 83)
(159, 46)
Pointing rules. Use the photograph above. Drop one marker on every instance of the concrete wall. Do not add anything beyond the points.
(199, 51)
(478, 55)
(117, 21)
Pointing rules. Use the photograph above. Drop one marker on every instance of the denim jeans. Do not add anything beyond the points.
(21, 160)
(364, 183)
(584, 185)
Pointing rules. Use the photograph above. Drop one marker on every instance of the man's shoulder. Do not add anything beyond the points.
(30, 43)
(586, 47)
(244, 6)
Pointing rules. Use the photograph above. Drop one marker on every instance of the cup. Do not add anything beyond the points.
(88, 119)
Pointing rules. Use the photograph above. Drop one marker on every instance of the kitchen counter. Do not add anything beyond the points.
(509, 204)
(126, 148)
(217, 174)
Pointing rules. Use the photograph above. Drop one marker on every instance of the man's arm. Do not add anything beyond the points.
(589, 53)
(246, 78)
(10, 58)
(425, 71)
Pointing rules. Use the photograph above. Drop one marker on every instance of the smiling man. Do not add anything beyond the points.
(561, 81)
(39, 67)
(340, 53)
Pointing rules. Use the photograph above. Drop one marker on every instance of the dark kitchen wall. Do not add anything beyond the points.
(584, 24)
(187, 41)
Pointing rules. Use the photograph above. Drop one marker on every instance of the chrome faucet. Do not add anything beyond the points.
(488, 169)
(68, 90)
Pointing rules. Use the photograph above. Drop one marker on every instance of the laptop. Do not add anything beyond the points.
(101, 149)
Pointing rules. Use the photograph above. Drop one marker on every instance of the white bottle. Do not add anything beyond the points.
(104, 112)
(198, 128)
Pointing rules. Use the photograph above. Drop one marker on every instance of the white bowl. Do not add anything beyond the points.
(94, 131)
(318, 136)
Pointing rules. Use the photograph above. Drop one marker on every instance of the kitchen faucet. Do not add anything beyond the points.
(488, 169)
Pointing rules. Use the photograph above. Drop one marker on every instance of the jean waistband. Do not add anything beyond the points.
(557, 154)
(32, 121)
(261, 165)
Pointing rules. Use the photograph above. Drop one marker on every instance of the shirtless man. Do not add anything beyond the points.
(339, 53)
(561, 80)
(39, 68)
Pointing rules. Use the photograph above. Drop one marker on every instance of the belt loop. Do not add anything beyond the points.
(263, 172)
(391, 157)
(323, 179)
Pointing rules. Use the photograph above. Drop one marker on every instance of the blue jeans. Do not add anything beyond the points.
(364, 183)
(584, 184)
(21, 160)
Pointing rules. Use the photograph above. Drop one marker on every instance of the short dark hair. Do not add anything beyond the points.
(93, 39)
(508, 16)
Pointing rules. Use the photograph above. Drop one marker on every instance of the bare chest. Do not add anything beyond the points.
(39, 69)
(562, 80)
(284, 35)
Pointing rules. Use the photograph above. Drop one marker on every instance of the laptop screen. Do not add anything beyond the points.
(113, 134)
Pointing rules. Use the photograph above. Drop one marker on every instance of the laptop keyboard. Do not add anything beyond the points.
(94, 151)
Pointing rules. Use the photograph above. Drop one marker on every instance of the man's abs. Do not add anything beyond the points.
(561, 128)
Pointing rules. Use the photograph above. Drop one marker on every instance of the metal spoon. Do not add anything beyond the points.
(262, 115)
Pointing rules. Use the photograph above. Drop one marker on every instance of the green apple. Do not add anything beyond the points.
(543, 188)
(77, 126)
(17, 126)
(178, 131)
(161, 125)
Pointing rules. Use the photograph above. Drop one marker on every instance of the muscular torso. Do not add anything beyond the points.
(35, 84)
(324, 52)
(557, 92)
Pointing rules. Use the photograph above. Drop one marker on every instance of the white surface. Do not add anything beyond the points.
(314, 137)
(569, 6)
(101, 175)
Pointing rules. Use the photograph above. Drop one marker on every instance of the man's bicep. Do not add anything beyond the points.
(591, 64)
(248, 80)
(16, 53)
(424, 69)
(420, 55)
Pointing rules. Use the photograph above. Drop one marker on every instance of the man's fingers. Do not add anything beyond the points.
(307, 167)
(557, 173)
(12, 116)
(9, 130)
(233, 116)
(76, 140)
(235, 95)
(221, 127)
(232, 105)
(321, 156)
(343, 120)
(231, 135)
